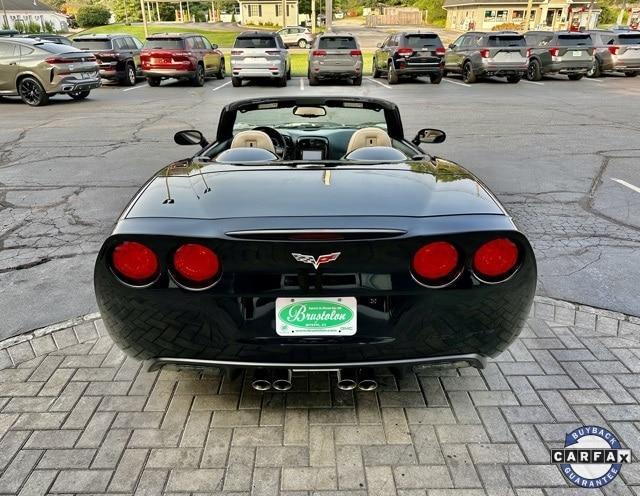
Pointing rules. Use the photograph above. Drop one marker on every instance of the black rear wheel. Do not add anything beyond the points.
(129, 78)
(79, 95)
(514, 79)
(32, 92)
(357, 81)
(631, 73)
(199, 77)
(596, 69)
(436, 78)
(468, 76)
(533, 71)
(221, 70)
(236, 82)
(153, 81)
(374, 69)
(392, 75)
(575, 77)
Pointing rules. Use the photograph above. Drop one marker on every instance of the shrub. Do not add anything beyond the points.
(507, 26)
(48, 27)
(92, 15)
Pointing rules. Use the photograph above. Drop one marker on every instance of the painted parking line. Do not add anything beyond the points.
(593, 80)
(456, 82)
(380, 83)
(137, 87)
(531, 82)
(221, 86)
(625, 183)
(301, 84)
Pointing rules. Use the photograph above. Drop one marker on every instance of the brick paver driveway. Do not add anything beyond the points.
(82, 418)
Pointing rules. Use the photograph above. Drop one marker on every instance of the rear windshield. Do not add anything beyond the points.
(337, 43)
(93, 44)
(52, 47)
(255, 42)
(503, 41)
(629, 39)
(166, 43)
(422, 40)
(574, 39)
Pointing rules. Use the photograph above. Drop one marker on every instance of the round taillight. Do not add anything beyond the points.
(134, 262)
(495, 259)
(436, 261)
(196, 264)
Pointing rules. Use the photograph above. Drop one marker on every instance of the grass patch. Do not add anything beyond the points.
(220, 38)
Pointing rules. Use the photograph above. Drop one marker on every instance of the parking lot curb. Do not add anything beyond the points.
(27, 346)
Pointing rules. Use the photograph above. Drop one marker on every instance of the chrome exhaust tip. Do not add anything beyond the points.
(261, 380)
(347, 379)
(367, 380)
(282, 380)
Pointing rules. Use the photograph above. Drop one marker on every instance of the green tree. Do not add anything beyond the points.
(435, 13)
(92, 15)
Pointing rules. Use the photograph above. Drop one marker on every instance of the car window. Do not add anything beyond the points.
(574, 39)
(103, 44)
(505, 40)
(56, 47)
(136, 42)
(465, 41)
(190, 43)
(459, 41)
(206, 43)
(120, 44)
(7, 49)
(164, 43)
(337, 43)
(629, 39)
(418, 41)
(255, 42)
(25, 50)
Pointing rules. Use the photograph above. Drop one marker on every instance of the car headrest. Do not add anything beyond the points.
(368, 136)
(376, 153)
(246, 156)
(253, 139)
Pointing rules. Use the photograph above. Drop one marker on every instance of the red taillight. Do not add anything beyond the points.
(319, 53)
(485, 53)
(495, 259)
(196, 264)
(436, 261)
(440, 51)
(237, 52)
(554, 51)
(355, 53)
(135, 262)
(614, 50)
(405, 52)
(529, 52)
(57, 60)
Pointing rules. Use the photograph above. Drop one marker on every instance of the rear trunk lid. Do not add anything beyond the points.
(573, 48)
(628, 48)
(425, 48)
(504, 48)
(337, 51)
(76, 62)
(164, 53)
(255, 51)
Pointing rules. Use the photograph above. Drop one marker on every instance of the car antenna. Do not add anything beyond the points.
(168, 200)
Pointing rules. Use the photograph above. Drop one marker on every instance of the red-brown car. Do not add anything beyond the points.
(181, 56)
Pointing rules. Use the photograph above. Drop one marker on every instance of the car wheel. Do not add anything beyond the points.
(302, 43)
(282, 81)
(313, 80)
(236, 82)
(289, 74)
(79, 95)
(514, 79)
(357, 81)
(596, 69)
(32, 92)
(436, 78)
(392, 75)
(444, 73)
(199, 78)
(575, 77)
(221, 70)
(631, 73)
(375, 73)
(533, 71)
(153, 81)
(468, 76)
(130, 75)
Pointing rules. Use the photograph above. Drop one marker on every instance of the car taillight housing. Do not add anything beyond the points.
(135, 263)
(195, 266)
(496, 260)
(319, 53)
(484, 53)
(405, 52)
(554, 52)
(440, 51)
(355, 53)
(614, 50)
(57, 60)
(436, 264)
(529, 52)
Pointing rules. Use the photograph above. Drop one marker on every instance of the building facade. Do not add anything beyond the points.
(484, 15)
(268, 12)
(19, 12)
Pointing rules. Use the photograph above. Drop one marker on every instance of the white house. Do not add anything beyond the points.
(30, 11)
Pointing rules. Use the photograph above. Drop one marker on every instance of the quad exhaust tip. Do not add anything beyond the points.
(261, 380)
(363, 379)
(367, 380)
(282, 379)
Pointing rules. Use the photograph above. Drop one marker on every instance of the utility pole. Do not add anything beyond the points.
(313, 16)
(527, 15)
(284, 13)
(6, 17)
(144, 19)
(328, 12)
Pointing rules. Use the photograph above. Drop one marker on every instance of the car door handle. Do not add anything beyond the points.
(13, 63)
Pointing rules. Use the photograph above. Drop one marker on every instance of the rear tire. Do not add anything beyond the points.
(236, 82)
(357, 81)
(436, 78)
(302, 43)
(32, 92)
(375, 73)
(80, 95)
(282, 81)
(392, 75)
(631, 73)
(468, 76)
(153, 81)
(221, 70)
(289, 74)
(513, 79)
(533, 71)
(129, 78)
(575, 77)
(199, 78)
(596, 69)
(313, 81)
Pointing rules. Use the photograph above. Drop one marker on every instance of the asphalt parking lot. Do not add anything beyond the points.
(562, 156)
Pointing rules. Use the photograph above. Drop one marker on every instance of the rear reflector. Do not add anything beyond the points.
(495, 259)
(196, 265)
(134, 262)
(436, 262)
(355, 53)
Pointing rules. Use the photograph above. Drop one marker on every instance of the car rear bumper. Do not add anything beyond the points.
(415, 69)
(337, 71)
(110, 73)
(73, 85)
(626, 66)
(168, 73)
(571, 67)
(503, 69)
(257, 72)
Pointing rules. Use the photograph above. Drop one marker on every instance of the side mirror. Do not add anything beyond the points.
(214, 46)
(190, 137)
(429, 136)
(452, 46)
(379, 45)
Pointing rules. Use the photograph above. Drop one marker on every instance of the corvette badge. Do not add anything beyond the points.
(316, 262)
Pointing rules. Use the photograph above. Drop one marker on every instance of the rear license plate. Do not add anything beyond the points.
(316, 316)
(576, 53)
(87, 75)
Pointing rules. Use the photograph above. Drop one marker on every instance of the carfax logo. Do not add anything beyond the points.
(591, 457)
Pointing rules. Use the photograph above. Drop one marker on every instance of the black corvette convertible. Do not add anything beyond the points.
(311, 234)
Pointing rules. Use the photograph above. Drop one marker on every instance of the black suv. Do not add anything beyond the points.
(118, 55)
(410, 53)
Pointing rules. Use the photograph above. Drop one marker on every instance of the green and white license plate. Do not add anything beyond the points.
(316, 316)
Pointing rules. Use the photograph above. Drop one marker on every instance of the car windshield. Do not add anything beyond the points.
(629, 39)
(93, 44)
(336, 117)
(422, 40)
(574, 39)
(166, 43)
(337, 43)
(255, 42)
(503, 41)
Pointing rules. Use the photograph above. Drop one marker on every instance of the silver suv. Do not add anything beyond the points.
(559, 53)
(478, 55)
(334, 56)
(616, 51)
(296, 36)
(260, 55)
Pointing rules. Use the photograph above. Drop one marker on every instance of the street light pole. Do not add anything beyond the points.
(144, 19)
(313, 16)
(284, 13)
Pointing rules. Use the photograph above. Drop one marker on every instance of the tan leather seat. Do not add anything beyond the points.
(253, 139)
(368, 136)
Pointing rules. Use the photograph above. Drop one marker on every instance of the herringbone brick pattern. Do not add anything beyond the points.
(77, 416)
